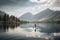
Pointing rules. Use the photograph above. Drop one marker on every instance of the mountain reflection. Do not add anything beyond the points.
(49, 28)
(43, 31)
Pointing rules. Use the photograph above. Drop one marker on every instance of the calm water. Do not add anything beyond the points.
(27, 31)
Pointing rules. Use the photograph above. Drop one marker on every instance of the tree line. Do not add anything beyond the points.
(5, 19)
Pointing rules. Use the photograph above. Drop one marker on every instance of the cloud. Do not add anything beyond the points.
(19, 7)
(38, 1)
(19, 3)
(55, 5)
(3, 2)
(6, 2)
(22, 6)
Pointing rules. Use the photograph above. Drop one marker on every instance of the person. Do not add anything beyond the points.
(35, 25)
(35, 28)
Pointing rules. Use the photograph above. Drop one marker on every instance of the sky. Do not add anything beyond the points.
(20, 7)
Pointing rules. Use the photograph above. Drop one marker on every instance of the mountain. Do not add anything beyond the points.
(26, 17)
(45, 15)
(55, 16)
(48, 15)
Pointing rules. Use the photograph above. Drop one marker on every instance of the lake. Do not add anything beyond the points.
(44, 31)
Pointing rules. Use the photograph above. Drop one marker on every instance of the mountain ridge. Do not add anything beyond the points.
(27, 16)
(46, 14)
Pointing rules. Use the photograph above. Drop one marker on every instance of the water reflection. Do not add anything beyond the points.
(43, 30)
(50, 28)
(5, 26)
